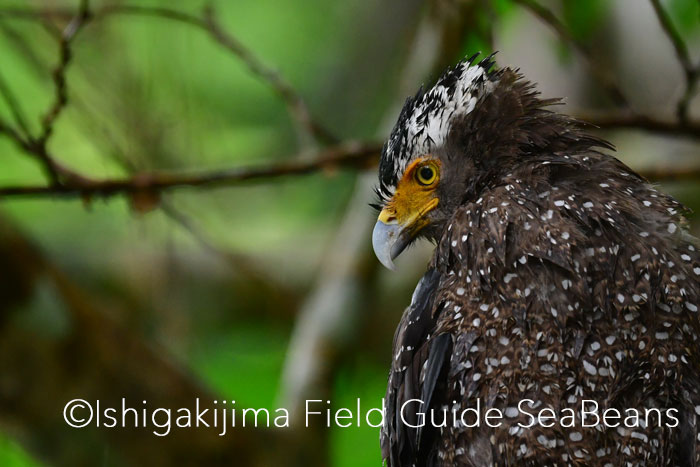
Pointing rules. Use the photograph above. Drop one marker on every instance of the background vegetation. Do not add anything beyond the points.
(184, 192)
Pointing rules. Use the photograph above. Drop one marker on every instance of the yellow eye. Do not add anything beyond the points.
(426, 174)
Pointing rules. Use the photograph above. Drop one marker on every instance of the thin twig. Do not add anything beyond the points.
(13, 135)
(600, 73)
(673, 34)
(59, 73)
(691, 72)
(25, 49)
(357, 155)
(296, 105)
(640, 122)
(240, 263)
(37, 147)
(15, 107)
(32, 14)
(671, 174)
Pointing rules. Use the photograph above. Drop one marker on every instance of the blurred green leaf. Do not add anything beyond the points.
(12, 454)
(584, 18)
(685, 14)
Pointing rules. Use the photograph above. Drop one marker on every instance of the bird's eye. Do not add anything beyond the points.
(426, 174)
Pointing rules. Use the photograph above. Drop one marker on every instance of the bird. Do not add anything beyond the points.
(559, 278)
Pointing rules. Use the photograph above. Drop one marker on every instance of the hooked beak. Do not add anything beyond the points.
(388, 241)
(392, 233)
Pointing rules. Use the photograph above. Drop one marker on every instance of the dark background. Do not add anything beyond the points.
(118, 278)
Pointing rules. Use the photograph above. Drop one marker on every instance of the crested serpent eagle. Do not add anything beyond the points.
(560, 277)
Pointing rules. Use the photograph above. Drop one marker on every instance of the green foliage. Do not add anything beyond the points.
(12, 455)
(367, 383)
(685, 14)
(584, 18)
(242, 364)
(502, 8)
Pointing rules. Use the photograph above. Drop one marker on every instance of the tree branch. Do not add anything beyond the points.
(601, 75)
(691, 72)
(59, 73)
(357, 155)
(37, 147)
(345, 155)
(641, 122)
(7, 130)
(671, 174)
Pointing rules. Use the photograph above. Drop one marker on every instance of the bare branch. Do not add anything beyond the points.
(641, 122)
(37, 147)
(692, 73)
(356, 155)
(600, 73)
(673, 34)
(32, 14)
(671, 174)
(297, 106)
(346, 155)
(59, 73)
(25, 49)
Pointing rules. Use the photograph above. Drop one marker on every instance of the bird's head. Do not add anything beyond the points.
(425, 170)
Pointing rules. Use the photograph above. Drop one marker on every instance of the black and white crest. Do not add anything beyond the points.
(425, 119)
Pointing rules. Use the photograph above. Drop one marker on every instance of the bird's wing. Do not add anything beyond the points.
(418, 365)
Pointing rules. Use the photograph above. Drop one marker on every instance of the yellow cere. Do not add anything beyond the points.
(415, 194)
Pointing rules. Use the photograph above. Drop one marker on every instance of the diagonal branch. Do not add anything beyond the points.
(296, 105)
(59, 73)
(692, 72)
(601, 75)
(15, 107)
(37, 147)
(14, 135)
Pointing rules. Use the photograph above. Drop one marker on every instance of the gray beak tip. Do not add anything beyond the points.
(385, 240)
